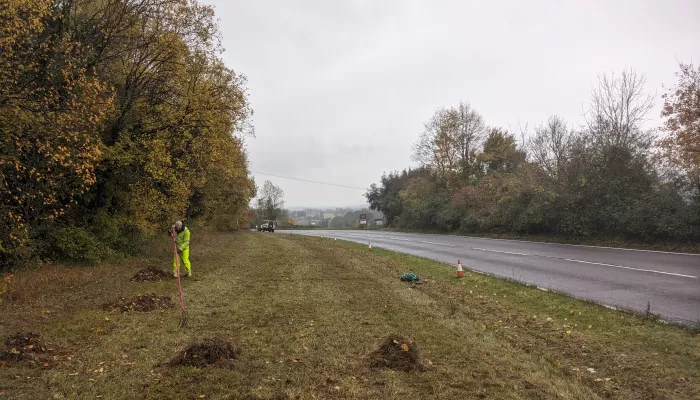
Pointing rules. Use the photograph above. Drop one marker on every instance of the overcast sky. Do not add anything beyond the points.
(341, 89)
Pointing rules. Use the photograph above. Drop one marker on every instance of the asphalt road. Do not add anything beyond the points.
(628, 279)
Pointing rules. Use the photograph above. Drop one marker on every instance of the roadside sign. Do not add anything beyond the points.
(363, 219)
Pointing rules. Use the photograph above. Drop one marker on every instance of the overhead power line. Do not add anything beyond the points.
(310, 181)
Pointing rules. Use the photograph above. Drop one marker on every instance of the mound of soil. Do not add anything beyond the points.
(397, 353)
(208, 352)
(23, 346)
(144, 302)
(150, 274)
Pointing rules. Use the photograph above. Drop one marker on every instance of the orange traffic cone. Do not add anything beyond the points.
(460, 272)
(370, 247)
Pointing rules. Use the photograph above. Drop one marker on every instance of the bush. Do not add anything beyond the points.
(77, 244)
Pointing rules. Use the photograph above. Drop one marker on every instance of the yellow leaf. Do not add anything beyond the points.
(590, 326)
(568, 332)
(404, 347)
(201, 396)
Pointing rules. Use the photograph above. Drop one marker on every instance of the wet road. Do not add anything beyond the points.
(669, 282)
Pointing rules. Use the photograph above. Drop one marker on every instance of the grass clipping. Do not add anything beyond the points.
(209, 352)
(150, 274)
(397, 353)
(144, 302)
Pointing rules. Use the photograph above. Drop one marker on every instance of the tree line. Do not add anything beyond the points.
(116, 118)
(608, 176)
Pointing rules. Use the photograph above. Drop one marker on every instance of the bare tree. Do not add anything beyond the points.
(618, 107)
(550, 145)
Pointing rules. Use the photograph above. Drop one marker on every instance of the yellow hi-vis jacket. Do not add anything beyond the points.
(183, 240)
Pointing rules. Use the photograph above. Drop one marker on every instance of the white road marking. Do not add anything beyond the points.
(592, 263)
(504, 252)
(579, 245)
(439, 244)
(632, 268)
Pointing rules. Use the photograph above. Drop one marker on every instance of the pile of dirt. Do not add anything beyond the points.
(150, 274)
(144, 302)
(397, 353)
(23, 346)
(208, 352)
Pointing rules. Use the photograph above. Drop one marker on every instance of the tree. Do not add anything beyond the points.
(500, 152)
(682, 125)
(618, 107)
(116, 117)
(270, 202)
(449, 142)
(436, 147)
(385, 198)
(471, 131)
(550, 145)
(51, 109)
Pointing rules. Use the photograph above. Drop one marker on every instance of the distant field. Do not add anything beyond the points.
(306, 315)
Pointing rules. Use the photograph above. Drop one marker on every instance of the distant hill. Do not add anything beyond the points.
(330, 208)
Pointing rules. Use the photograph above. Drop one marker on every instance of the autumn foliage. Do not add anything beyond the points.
(116, 117)
(682, 112)
(608, 178)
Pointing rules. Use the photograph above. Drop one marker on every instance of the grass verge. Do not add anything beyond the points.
(305, 314)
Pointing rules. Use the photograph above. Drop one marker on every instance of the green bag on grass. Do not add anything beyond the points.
(409, 277)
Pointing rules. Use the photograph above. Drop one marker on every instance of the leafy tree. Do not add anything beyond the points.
(116, 117)
(500, 152)
(270, 202)
(682, 125)
(51, 109)
(450, 141)
(436, 147)
(385, 198)
(601, 180)
(471, 131)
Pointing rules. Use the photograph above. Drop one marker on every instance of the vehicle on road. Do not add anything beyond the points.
(267, 226)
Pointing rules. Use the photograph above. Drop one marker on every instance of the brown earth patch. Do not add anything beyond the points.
(150, 274)
(24, 346)
(397, 353)
(213, 351)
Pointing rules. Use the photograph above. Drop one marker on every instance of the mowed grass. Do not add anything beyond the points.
(305, 312)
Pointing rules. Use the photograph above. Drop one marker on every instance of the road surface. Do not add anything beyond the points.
(628, 279)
